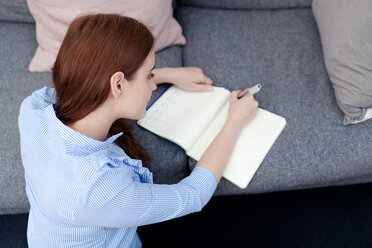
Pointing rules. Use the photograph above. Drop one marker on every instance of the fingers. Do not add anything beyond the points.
(249, 98)
(202, 87)
(198, 87)
(234, 95)
(204, 79)
(208, 80)
(205, 84)
(243, 92)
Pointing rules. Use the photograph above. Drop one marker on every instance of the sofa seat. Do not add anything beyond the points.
(281, 49)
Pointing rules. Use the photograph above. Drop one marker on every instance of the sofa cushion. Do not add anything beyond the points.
(15, 10)
(346, 33)
(281, 50)
(17, 46)
(244, 4)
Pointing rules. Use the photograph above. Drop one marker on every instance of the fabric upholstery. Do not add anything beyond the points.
(15, 10)
(247, 4)
(281, 50)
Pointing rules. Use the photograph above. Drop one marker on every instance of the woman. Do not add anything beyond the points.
(86, 176)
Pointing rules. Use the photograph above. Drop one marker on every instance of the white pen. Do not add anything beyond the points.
(252, 90)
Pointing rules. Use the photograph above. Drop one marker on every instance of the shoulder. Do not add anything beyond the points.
(113, 165)
(40, 98)
(111, 161)
(35, 104)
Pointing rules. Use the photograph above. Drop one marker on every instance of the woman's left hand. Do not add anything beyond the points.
(191, 78)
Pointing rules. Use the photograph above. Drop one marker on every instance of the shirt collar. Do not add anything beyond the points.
(74, 142)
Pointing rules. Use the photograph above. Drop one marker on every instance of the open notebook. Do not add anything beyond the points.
(193, 119)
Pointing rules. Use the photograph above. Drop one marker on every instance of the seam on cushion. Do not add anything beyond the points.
(2, 21)
(242, 9)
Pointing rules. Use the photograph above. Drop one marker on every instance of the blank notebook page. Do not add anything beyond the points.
(181, 116)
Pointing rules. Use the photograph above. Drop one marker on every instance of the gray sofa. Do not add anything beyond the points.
(238, 43)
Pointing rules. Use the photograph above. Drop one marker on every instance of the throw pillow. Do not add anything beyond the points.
(345, 28)
(53, 17)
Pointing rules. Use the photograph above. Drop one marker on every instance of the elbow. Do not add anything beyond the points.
(200, 187)
(204, 201)
(201, 198)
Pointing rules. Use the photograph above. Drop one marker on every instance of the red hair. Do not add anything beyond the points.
(94, 48)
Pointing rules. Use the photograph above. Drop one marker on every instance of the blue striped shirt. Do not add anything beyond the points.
(89, 193)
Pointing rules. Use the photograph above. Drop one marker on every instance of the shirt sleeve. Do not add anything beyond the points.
(114, 199)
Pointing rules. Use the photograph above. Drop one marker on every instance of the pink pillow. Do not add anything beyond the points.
(54, 16)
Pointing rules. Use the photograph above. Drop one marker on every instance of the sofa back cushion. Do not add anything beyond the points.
(247, 4)
(54, 16)
(15, 10)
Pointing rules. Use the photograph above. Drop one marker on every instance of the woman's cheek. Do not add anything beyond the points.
(143, 113)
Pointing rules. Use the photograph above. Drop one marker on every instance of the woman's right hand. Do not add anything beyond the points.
(241, 111)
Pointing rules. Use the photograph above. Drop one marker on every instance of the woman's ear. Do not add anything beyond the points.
(117, 84)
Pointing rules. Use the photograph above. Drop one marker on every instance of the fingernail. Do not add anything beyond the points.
(210, 88)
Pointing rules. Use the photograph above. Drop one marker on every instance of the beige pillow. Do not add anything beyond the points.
(54, 16)
(345, 28)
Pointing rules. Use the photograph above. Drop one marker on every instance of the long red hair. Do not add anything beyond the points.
(94, 48)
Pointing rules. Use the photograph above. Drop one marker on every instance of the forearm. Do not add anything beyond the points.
(218, 153)
(163, 75)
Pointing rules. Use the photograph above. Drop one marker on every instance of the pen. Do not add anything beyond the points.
(252, 90)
